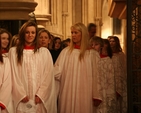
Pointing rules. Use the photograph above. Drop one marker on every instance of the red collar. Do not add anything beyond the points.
(103, 56)
(76, 46)
(4, 51)
(29, 47)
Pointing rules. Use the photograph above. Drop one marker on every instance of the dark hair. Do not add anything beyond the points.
(118, 46)
(20, 46)
(65, 42)
(54, 40)
(109, 50)
(90, 25)
(2, 30)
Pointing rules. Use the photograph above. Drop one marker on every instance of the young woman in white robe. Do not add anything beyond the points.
(5, 81)
(106, 81)
(119, 62)
(5, 38)
(32, 74)
(76, 73)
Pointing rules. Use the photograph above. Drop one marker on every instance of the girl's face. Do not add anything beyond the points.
(105, 46)
(30, 35)
(112, 42)
(76, 36)
(4, 40)
(57, 44)
(17, 41)
(96, 46)
(44, 39)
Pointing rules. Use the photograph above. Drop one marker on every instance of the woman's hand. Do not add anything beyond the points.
(37, 100)
(97, 102)
(24, 100)
(118, 95)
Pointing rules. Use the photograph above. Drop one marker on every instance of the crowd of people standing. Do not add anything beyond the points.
(41, 73)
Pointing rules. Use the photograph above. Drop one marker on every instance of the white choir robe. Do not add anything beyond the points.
(5, 83)
(33, 77)
(106, 83)
(75, 80)
(119, 63)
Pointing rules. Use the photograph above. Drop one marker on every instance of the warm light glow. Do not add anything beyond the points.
(106, 32)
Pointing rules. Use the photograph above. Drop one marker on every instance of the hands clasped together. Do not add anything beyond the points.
(37, 99)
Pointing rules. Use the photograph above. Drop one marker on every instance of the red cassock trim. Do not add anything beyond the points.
(76, 47)
(103, 56)
(4, 51)
(2, 106)
(29, 47)
(97, 100)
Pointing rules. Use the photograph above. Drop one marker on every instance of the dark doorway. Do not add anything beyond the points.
(12, 25)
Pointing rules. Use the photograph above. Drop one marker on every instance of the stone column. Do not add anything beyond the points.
(64, 26)
(42, 7)
(16, 9)
(42, 12)
(85, 12)
(98, 16)
(64, 18)
(13, 13)
(67, 20)
(92, 13)
(54, 12)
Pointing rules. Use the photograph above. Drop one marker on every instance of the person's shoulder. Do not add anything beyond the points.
(12, 49)
(43, 49)
(93, 51)
(65, 49)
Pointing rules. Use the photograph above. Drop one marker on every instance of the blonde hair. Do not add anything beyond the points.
(84, 39)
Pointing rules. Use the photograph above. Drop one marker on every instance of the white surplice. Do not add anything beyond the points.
(33, 77)
(119, 63)
(106, 83)
(5, 83)
(75, 78)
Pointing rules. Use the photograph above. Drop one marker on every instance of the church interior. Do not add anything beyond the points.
(57, 16)
(110, 17)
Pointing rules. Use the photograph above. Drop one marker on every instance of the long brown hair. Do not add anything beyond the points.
(117, 41)
(2, 30)
(20, 46)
